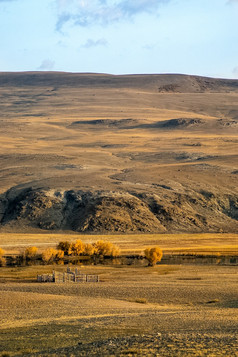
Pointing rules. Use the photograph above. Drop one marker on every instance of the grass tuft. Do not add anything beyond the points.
(213, 301)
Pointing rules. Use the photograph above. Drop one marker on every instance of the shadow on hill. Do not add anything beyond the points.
(114, 211)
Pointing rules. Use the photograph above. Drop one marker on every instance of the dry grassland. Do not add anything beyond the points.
(120, 134)
(210, 243)
(166, 310)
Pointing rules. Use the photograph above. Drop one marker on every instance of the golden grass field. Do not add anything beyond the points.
(139, 311)
(206, 243)
(166, 310)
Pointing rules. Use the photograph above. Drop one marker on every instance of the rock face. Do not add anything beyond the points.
(107, 211)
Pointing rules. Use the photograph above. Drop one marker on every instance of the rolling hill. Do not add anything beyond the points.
(103, 153)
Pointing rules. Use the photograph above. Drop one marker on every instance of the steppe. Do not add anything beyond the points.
(138, 160)
(168, 310)
(102, 153)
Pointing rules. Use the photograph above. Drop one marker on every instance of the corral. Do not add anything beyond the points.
(69, 276)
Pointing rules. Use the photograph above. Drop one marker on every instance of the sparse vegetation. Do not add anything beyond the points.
(2, 259)
(30, 253)
(153, 255)
(60, 254)
(65, 246)
(77, 248)
(134, 309)
(139, 300)
(189, 135)
(100, 248)
(89, 249)
(104, 248)
(49, 255)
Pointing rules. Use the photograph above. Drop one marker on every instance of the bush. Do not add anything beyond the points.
(2, 261)
(104, 248)
(65, 247)
(100, 248)
(77, 248)
(116, 251)
(60, 254)
(89, 249)
(30, 253)
(49, 255)
(153, 255)
(2, 252)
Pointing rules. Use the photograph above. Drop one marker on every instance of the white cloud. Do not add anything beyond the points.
(94, 43)
(102, 12)
(46, 65)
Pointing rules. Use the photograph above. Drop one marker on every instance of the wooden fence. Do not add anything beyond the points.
(69, 276)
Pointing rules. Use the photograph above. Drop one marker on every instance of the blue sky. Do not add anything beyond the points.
(120, 36)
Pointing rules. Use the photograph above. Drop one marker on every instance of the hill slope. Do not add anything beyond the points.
(102, 153)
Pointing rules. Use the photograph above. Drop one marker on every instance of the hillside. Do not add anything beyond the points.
(103, 153)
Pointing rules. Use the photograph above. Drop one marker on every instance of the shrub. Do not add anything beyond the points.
(116, 251)
(2, 252)
(65, 247)
(104, 248)
(89, 249)
(2, 261)
(49, 255)
(30, 253)
(153, 255)
(77, 248)
(60, 254)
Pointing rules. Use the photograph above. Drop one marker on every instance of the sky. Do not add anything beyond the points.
(198, 37)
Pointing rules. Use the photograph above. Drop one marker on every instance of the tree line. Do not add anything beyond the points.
(78, 248)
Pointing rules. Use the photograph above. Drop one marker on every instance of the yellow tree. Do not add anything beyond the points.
(64, 246)
(153, 255)
(105, 248)
(89, 249)
(49, 255)
(2, 259)
(30, 252)
(77, 248)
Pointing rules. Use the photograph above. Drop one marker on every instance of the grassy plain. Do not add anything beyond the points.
(204, 243)
(134, 311)
(167, 310)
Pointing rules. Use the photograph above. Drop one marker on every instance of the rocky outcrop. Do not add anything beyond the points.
(107, 211)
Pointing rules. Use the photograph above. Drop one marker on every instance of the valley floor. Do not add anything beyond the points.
(135, 311)
(201, 243)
